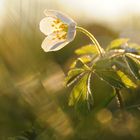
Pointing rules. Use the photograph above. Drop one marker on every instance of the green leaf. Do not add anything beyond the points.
(88, 49)
(80, 93)
(102, 64)
(134, 65)
(135, 46)
(114, 53)
(106, 101)
(86, 59)
(134, 56)
(110, 77)
(119, 64)
(117, 43)
(73, 76)
(79, 63)
(126, 80)
(89, 92)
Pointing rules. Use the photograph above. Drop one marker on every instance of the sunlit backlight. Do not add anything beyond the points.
(1, 7)
(1, 11)
(109, 12)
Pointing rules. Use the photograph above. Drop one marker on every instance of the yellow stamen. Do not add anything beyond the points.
(56, 21)
(64, 36)
(63, 26)
(59, 26)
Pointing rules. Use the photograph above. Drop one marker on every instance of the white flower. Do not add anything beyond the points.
(59, 29)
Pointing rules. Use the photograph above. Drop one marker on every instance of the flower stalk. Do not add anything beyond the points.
(93, 39)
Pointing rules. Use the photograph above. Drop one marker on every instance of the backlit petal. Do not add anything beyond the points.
(50, 44)
(59, 28)
(71, 32)
(64, 18)
(46, 25)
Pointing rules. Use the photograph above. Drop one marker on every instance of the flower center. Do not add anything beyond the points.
(60, 29)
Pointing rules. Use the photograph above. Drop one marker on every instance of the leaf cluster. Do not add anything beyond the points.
(119, 67)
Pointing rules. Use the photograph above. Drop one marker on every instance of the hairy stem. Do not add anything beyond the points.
(93, 39)
(119, 98)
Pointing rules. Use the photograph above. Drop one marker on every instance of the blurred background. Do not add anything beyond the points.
(33, 98)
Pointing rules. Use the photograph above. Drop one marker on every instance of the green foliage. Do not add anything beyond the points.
(135, 47)
(119, 67)
(126, 80)
(102, 64)
(79, 63)
(134, 65)
(85, 58)
(111, 78)
(88, 49)
(73, 75)
(117, 43)
(106, 100)
(80, 91)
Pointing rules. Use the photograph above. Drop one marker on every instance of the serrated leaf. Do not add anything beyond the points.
(133, 65)
(119, 63)
(102, 64)
(126, 80)
(73, 75)
(110, 77)
(114, 53)
(108, 99)
(88, 49)
(134, 56)
(79, 63)
(89, 92)
(117, 43)
(80, 92)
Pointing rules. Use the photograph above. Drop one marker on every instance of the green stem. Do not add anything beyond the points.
(119, 98)
(93, 39)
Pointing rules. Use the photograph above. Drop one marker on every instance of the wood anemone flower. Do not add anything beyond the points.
(59, 29)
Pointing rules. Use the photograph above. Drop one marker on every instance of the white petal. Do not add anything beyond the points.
(53, 45)
(71, 32)
(64, 18)
(46, 25)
